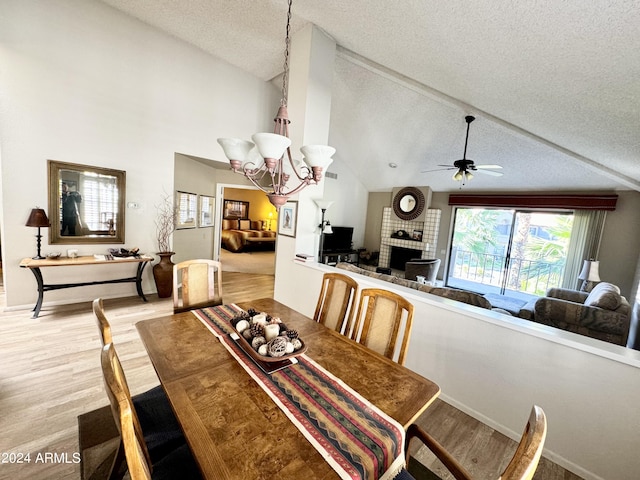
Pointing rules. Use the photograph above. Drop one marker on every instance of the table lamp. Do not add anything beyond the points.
(38, 218)
(589, 275)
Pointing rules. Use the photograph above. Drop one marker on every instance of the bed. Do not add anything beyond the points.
(240, 235)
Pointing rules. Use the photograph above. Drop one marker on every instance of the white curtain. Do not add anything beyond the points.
(584, 243)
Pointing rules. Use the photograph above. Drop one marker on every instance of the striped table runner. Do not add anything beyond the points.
(357, 439)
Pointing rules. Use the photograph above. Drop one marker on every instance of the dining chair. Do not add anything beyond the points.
(154, 418)
(336, 302)
(381, 317)
(103, 324)
(522, 465)
(147, 402)
(177, 463)
(196, 284)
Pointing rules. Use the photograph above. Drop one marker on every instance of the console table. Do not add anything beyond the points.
(35, 265)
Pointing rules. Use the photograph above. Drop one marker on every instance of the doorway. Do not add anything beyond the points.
(255, 257)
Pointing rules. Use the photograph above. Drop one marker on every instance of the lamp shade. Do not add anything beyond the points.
(271, 145)
(327, 228)
(323, 204)
(318, 155)
(590, 271)
(235, 148)
(37, 218)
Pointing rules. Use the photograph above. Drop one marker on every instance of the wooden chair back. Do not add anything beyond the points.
(103, 323)
(336, 302)
(525, 460)
(196, 284)
(381, 317)
(120, 398)
(523, 463)
(138, 466)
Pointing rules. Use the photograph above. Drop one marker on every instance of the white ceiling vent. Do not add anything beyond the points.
(331, 175)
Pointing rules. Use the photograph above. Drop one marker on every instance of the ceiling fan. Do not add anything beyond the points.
(465, 166)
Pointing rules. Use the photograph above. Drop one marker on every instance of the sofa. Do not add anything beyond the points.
(463, 296)
(602, 313)
(243, 234)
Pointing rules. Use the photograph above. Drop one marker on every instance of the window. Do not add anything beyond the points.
(497, 250)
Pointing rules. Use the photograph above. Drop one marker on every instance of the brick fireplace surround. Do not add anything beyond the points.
(391, 224)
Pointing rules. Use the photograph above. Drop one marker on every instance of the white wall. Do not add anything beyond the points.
(495, 367)
(83, 83)
(350, 201)
(193, 176)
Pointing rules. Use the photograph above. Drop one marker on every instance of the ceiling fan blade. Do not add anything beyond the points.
(438, 169)
(492, 167)
(489, 172)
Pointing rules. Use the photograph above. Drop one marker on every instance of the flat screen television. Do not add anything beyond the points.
(339, 240)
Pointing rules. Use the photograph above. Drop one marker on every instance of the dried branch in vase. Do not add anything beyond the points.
(165, 222)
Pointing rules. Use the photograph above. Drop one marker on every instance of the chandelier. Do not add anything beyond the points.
(275, 161)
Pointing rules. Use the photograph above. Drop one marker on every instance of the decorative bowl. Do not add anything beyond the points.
(248, 346)
(53, 255)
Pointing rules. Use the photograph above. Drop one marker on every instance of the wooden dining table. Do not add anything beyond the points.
(234, 429)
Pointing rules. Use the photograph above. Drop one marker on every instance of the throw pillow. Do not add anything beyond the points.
(604, 295)
(228, 224)
(245, 224)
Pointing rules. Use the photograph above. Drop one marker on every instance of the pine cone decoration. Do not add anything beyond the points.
(252, 312)
(292, 334)
(237, 318)
(257, 330)
(283, 328)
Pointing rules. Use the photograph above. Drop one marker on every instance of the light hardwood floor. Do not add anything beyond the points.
(50, 374)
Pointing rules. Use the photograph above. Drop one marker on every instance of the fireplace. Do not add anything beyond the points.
(401, 255)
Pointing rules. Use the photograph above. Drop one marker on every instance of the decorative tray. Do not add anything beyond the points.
(265, 338)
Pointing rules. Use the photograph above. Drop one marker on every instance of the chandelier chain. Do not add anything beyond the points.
(285, 75)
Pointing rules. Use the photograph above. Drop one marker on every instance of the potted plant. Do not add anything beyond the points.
(165, 226)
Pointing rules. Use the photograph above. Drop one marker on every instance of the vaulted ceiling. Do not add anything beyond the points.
(554, 85)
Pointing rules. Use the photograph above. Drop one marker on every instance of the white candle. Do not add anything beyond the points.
(260, 319)
(271, 331)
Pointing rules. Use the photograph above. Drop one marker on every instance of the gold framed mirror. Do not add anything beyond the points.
(86, 204)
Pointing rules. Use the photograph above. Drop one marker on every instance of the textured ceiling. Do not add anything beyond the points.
(554, 85)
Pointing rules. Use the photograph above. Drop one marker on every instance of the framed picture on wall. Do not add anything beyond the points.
(235, 209)
(187, 209)
(288, 219)
(205, 210)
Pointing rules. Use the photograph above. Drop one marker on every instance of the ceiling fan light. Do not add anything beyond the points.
(469, 175)
(457, 176)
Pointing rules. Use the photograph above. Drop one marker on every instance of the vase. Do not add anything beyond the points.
(163, 274)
